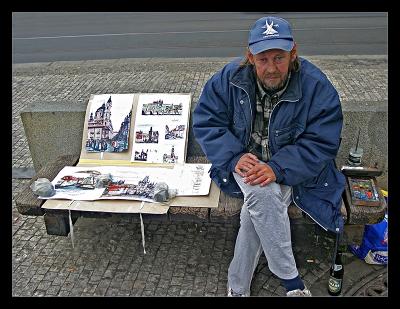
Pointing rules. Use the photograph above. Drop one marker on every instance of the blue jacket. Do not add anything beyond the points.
(304, 136)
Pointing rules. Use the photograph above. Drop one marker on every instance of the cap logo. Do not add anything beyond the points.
(270, 30)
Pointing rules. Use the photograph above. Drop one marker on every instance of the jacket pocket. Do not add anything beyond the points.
(285, 136)
(238, 126)
(328, 177)
(239, 119)
(320, 180)
(325, 189)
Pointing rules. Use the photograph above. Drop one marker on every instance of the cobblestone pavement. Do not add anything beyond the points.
(183, 258)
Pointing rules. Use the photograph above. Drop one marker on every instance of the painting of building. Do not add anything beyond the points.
(171, 157)
(142, 155)
(119, 141)
(159, 108)
(100, 133)
(176, 133)
(147, 137)
(144, 188)
(100, 128)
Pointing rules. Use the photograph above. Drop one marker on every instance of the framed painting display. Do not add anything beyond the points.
(161, 128)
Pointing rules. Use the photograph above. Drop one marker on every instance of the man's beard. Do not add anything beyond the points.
(279, 86)
(275, 88)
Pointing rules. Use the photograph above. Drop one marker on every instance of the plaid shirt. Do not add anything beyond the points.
(259, 137)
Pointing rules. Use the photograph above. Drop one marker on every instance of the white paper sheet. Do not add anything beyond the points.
(130, 183)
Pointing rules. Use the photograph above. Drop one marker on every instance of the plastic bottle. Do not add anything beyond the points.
(336, 276)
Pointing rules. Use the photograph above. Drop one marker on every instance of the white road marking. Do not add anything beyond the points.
(176, 32)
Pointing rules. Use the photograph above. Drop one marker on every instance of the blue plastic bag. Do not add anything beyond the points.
(374, 246)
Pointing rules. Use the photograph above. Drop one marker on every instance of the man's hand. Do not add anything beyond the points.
(259, 174)
(245, 163)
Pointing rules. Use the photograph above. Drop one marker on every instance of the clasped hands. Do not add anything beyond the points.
(253, 171)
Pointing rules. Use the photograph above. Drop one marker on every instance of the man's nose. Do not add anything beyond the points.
(270, 67)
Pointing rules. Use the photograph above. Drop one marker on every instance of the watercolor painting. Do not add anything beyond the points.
(108, 123)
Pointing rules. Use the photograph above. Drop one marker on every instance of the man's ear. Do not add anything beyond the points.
(250, 57)
(293, 52)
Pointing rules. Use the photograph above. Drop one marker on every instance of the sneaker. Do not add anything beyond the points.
(301, 293)
(234, 294)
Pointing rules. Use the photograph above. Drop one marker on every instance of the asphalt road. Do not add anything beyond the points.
(47, 36)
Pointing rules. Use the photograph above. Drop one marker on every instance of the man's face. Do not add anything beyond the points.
(272, 67)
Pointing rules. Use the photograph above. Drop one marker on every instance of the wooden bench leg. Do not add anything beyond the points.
(58, 223)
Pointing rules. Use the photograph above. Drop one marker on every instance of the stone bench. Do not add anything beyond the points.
(54, 129)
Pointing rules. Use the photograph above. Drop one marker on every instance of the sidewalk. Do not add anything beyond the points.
(183, 258)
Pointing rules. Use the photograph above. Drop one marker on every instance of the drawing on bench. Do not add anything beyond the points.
(146, 134)
(121, 182)
(108, 123)
(158, 107)
(170, 157)
(175, 133)
(161, 122)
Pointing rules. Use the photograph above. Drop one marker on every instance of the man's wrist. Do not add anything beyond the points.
(276, 170)
(234, 161)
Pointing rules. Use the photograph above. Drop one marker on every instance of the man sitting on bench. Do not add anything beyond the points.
(270, 124)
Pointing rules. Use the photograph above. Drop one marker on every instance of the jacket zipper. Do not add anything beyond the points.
(293, 199)
(251, 120)
(269, 124)
(251, 113)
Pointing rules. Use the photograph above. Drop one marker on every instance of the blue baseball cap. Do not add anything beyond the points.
(270, 33)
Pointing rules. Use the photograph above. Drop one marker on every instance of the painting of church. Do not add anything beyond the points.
(171, 157)
(101, 135)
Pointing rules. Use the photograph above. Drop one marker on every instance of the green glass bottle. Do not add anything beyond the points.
(335, 281)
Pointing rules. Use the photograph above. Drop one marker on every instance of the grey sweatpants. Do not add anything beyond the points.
(264, 226)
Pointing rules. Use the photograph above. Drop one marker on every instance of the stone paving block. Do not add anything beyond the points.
(116, 283)
(139, 284)
(136, 292)
(123, 293)
(59, 280)
(100, 291)
(265, 293)
(95, 278)
(210, 288)
(63, 293)
(112, 291)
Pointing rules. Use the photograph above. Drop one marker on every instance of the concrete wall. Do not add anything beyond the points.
(55, 128)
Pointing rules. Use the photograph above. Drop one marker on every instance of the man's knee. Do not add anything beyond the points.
(258, 194)
(271, 189)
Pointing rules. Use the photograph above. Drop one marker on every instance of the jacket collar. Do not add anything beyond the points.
(244, 77)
